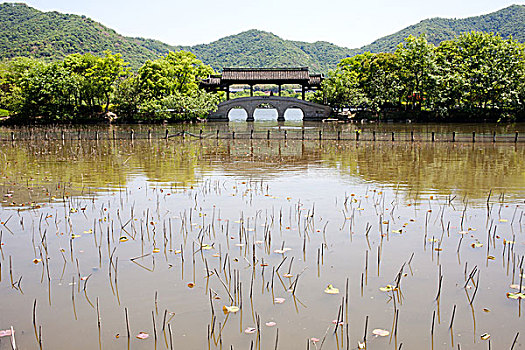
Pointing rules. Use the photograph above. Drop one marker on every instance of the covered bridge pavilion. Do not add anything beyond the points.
(262, 76)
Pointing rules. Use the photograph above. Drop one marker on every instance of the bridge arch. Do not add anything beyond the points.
(239, 107)
(293, 111)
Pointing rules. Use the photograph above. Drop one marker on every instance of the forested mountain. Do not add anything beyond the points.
(256, 48)
(508, 22)
(25, 31)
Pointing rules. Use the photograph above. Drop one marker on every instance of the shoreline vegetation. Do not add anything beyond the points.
(477, 77)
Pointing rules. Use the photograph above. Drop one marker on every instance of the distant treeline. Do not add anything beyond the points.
(87, 88)
(477, 76)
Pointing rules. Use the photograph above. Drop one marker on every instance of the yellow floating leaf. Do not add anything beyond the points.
(89, 231)
(230, 309)
(206, 247)
(331, 290)
(387, 288)
(123, 239)
(36, 261)
(516, 296)
(485, 336)
(75, 236)
(491, 257)
(476, 245)
(503, 220)
(156, 250)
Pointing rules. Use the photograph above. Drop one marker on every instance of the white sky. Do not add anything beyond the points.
(350, 23)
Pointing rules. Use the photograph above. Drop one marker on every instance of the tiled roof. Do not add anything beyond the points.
(262, 74)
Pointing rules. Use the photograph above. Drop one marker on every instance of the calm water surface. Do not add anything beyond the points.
(133, 225)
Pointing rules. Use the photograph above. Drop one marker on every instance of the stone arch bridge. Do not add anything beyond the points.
(311, 111)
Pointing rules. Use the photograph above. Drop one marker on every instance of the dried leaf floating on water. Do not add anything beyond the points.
(515, 296)
(517, 286)
(387, 288)
(279, 300)
(330, 289)
(123, 239)
(250, 330)
(191, 285)
(380, 332)
(270, 324)
(476, 245)
(230, 309)
(156, 250)
(36, 261)
(282, 251)
(142, 335)
(485, 336)
(5, 333)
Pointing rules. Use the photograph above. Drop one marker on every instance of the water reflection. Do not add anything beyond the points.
(470, 170)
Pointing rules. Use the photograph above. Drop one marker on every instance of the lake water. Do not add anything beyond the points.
(171, 231)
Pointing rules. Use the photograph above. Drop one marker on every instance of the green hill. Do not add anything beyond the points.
(508, 22)
(25, 31)
(255, 48)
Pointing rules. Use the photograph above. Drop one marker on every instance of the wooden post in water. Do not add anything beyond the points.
(302, 134)
(411, 136)
(473, 136)
(285, 134)
(200, 133)
(357, 135)
(12, 135)
(251, 134)
(373, 135)
(79, 136)
(62, 135)
(338, 135)
(167, 133)
(393, 138)
(217, 134)
(132, 134)
(149, 134)
(433, 136)
(320, 134)
(96, 135)
(453, 136)
(114, 135)
(516, 137)
(233, 134)
(494, 136)
(268, 135)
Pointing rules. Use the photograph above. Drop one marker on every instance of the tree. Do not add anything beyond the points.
(418, 70)
(340, 89)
